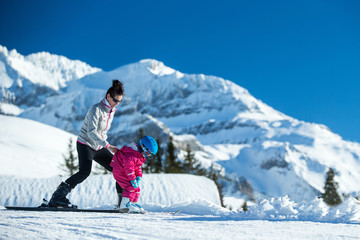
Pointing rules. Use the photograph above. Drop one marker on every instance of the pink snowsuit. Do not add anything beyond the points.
(126, 165)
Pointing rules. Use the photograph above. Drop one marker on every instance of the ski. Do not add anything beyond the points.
(58, 209)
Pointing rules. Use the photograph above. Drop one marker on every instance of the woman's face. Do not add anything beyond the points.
(114, 100)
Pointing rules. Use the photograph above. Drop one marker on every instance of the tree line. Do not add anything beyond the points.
(166, 161)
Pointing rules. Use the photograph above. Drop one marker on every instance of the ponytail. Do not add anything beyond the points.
(116, 89)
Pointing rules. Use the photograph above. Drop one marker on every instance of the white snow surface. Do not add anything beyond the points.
(201, 216)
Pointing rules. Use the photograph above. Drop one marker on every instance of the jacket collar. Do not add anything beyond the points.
(106, 105)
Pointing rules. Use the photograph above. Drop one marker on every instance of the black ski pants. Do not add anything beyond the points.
(86, 155)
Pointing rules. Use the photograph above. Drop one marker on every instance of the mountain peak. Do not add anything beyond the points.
(43, 68)
(156, 67)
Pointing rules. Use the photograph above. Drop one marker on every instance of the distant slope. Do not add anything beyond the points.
(31, 149)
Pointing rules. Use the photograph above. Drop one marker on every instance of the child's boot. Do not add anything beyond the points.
(142, 210)
(128, 207)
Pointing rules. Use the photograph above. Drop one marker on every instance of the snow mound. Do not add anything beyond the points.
(192, 195)
(158, 191)
(277, 209)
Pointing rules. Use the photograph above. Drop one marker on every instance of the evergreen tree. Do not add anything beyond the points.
(70, 165)
(189, 161)
(146, 167)
(191, 165)
(331, 196)
(154, 163)
(214, 175)
(244, 206)
(141, 134)
(171, 164)
(158, 166)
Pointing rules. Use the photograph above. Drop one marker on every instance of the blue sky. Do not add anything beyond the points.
(300, 57)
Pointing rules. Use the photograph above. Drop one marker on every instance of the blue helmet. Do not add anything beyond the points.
(148, 144)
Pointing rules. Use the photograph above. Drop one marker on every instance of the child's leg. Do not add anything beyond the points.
(126, 186)
(136, 195)
(129, 193)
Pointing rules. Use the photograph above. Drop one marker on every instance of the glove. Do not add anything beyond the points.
(136, 182)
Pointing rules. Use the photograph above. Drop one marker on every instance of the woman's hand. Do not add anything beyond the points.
(112, 149)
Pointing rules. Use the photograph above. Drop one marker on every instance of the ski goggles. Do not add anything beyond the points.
(146, 151)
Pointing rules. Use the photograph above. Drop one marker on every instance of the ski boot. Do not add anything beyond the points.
(59, 199)
(141, 209)
(128, 207)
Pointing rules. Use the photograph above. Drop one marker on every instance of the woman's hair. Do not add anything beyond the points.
(116, 89)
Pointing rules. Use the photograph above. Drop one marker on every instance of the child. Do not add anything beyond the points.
(127, 172)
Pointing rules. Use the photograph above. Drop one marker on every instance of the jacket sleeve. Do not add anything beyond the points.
(138, 172)
(129, 168)
(92, 127)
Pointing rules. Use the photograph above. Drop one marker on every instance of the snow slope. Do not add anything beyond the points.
(201, 217)
(31, 149)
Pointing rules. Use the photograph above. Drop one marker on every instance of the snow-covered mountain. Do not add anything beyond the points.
(27, 81)
(257, 147)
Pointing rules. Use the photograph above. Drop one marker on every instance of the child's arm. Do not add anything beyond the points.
(138, 171)
(129, 169)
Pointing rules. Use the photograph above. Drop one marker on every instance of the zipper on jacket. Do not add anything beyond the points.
(107, 123)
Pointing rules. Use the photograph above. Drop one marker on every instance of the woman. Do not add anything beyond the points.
(92, 144)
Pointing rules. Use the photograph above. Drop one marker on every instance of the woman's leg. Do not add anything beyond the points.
(85, 155)
(104, 157)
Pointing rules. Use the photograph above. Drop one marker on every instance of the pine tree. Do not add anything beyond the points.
(141, 133)
(214, 175)
(191, 165)
(189, 161)
(331, 196)
(70, 165)
(244, 206)
(158, 165)
(146, 167)
(171, 164)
